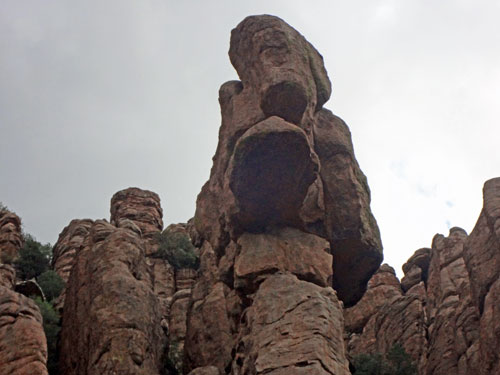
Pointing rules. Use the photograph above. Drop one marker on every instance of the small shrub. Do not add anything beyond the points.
(51, 283)
(396, 362)
(51, 327)
(34, 258)
(175, 359)
(177, 249)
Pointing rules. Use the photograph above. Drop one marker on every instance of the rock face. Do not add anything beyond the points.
(284, 217)
(11, 239)
(69, 243)
(482, 258)
(445, 313)
(112, 318)
(140, 207)
(23, 347)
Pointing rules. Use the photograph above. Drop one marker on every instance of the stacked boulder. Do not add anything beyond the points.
(284, 217)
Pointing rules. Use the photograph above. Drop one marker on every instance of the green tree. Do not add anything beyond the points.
(51, 283)
(34, 258)
(396, 362)
(51, 327)
(177, 249)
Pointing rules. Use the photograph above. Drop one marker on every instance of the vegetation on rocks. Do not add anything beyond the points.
(177, 249)
(34, 258)
(396, 362)
(51, 326)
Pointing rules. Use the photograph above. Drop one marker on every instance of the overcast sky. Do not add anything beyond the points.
(97, 96)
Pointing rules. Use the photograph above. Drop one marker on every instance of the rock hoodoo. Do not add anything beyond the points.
(284, 216)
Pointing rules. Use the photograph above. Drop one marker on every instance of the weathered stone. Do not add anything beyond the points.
(7, 276)
(23, 347)
(112, 319)
(184, 278)
(11, 239)
(298, 333)
(208, 337)
(383, 288)
(270, 173)
(287, 249)
(68, 244)
(349, 223)
(143, 208)
(207, 370)
(482, 258)
(453, 321)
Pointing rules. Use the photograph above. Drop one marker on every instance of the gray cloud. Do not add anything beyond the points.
(98, 96)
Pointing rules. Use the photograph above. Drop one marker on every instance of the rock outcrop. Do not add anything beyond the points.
(112, 318)
(482, 258)
(445, 312)
(68, 244)
(11, 239)
(141, 207)
(23, 347)
(284, 160)
(284, 217)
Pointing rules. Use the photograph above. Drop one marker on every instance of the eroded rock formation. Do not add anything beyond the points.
(284, 217)
(11, 239)
(445, 312)
(112, 319)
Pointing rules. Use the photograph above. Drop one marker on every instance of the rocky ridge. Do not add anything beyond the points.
(445, 310)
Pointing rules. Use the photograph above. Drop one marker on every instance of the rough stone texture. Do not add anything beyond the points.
(293, 327)
(11, 239)
(70, 242)
(273, 123)
(416, 268)
(111, 319)
(452, 319)
(286, 201)
(7, 276)
(142, 207)
(287, 249)
(23, 347)
(482, 258)
(207, 370)
(184, 278)
(163, 284)
(383, 288)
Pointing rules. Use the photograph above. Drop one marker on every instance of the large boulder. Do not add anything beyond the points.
(23, 347)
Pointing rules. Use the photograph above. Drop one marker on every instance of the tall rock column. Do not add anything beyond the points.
(284, 216)
(482, 257)
(23, 346)
(112, 319)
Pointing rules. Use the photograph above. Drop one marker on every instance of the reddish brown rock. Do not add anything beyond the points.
(416, 268)
(112, 319)
(68, 244)
(23, 347)
(11, 239)
(163, 283)
(287, 249)
(300, 332)
(143, 208)
(7, 276)
(184, 278)
(482, 258)
(348, 222)
(207, 370)
(383, 288)
(453, 321)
